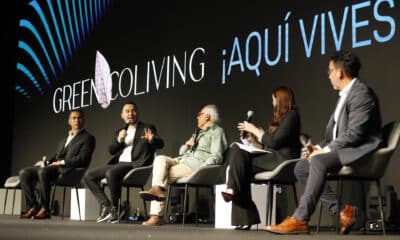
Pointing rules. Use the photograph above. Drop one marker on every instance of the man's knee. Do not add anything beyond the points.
(88, 176)
(23, 173)
(109, 174)
(301, 168)
(317, 164)
(160, 159)
(42, 172)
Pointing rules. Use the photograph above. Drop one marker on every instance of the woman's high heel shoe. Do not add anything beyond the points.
(243, 227)
(227, 196)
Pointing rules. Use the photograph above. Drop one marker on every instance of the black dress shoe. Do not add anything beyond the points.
(227, 196)
(243, 227)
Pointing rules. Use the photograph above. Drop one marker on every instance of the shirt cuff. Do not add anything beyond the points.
(326, 149)
(260, 138)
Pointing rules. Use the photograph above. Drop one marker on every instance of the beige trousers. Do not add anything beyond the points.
(166, 170)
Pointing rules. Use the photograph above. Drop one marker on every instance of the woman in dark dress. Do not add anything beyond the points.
(281, 138)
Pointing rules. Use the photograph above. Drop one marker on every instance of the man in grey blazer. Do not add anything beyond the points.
(133, 146)
(72, 152)
(353, 131)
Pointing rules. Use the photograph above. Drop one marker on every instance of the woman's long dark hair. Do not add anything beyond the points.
(284, 103)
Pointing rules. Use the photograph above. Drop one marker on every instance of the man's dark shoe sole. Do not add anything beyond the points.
(151, 197)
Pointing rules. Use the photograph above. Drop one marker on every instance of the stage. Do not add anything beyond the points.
(11, 227)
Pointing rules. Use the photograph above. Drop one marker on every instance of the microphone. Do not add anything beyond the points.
(127, 123)
(250, 114)
(305, 140)
(194, 135)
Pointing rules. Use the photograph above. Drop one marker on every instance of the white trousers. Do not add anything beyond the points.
(166, 170)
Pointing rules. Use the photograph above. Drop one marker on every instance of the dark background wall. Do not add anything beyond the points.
(132, 33)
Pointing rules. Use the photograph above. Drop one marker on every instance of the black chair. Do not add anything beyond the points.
(369, 168)
(14, 183)
(283, 174)
(71, 179)
(136, 178)
(206, 177)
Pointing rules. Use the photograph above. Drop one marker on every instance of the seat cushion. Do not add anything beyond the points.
(12, 182)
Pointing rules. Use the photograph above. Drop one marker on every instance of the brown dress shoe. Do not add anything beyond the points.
(154, 193)
(154, 220)
(347, 218)
(289, 226)
(29, 214)
(42, 214)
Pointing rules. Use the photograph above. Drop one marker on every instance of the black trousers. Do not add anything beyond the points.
(242, 167)
(29, 178)
(114, 175)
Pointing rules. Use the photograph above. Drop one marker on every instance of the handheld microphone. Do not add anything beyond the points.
(127, 123)
(195, 134)
(45, 162)
(250, 114)
(305, 140)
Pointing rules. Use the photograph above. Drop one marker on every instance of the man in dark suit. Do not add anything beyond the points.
(133, 146)
(353, 131)
(74, 151)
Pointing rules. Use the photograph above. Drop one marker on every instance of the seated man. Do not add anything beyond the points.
(353, 131)
(72, 152)
(205, 147)
(133, 146)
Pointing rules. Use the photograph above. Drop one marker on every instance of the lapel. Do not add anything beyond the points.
(343, 115)
(74, 140)
(61, 148)
(138, 134)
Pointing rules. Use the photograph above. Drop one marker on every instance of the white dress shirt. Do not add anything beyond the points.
(126, 154)
(343, 95)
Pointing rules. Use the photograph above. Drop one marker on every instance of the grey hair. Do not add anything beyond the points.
(212, 110)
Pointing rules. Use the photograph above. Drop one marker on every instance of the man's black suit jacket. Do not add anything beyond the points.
(142, 152)
(78, 153)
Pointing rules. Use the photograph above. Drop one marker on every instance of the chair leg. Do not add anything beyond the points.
(167, 204)
(339, 194)
(62, 214)
(319, 218)
(184, 205)
(212, 210)
(13, 202)
(119, 208)
(364, 201)
(267, 205)
(52, 197)
(197, 206)
(145, 206)
(79, 205)
(5, 202)
(378, 184)
(270, 189)
(127, 205)
(296, 200)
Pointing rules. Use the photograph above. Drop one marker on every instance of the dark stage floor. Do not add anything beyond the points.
(11, 227)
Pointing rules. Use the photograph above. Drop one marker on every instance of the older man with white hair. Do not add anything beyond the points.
(205, 147)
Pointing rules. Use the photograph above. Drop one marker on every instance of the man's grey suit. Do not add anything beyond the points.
(358, 134)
